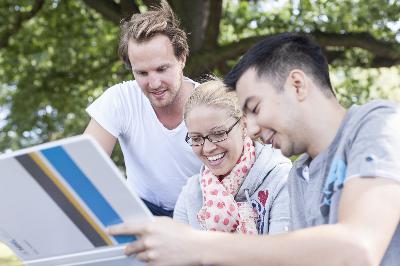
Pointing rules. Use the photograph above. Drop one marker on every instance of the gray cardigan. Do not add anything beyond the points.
(265, 185)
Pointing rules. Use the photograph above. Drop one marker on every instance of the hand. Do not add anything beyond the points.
(163, 242)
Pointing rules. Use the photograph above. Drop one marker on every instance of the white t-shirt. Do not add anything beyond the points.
(158, 160)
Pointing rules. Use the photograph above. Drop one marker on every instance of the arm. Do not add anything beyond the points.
(180, 210)
(279, 215)
(369, 213)
(102, 136)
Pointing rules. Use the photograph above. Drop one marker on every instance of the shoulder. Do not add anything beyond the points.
(372, 121)
(374, 113)
(378, 106)
(271, 167)
(192, 185)
(122, 92)
(129, 97)
(189, 80)
(191, 194)
(124, 87)
(269, 158)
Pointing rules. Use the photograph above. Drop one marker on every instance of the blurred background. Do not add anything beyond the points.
(57, 56)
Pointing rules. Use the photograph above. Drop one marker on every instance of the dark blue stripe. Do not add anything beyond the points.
(88, 193)
(61, 200)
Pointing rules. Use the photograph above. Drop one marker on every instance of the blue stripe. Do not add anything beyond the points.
(88, 193)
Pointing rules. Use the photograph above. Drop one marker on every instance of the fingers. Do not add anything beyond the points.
(137, 228)
(126, 229)
(138, 246)
(147, 245)
(141, 252)
(146, 256)
(135, 247)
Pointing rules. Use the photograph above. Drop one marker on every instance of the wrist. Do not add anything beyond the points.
(211, 247)
(205, 246)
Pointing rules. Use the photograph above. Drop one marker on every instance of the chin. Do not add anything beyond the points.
(159, 104)
(286, 153)
(219, 171)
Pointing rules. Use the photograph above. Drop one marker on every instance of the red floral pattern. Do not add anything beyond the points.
(220, 211)
(263, 197)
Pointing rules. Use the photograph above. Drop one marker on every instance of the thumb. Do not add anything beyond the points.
(131, 228)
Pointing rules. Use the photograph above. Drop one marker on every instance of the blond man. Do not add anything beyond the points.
(146, 114)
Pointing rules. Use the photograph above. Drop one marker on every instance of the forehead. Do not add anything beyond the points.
(153, 52)
(250, 86)
(247, 86)
(204, 118)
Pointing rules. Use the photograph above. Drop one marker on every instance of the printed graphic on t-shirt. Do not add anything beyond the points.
(334, 182)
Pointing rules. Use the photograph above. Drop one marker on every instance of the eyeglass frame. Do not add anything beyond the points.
(187, 138)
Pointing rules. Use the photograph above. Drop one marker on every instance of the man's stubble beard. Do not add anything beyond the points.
(172, 97)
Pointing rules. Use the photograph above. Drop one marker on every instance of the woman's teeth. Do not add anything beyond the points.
(215, 157)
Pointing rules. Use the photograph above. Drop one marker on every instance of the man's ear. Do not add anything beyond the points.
(297, 79)
(182, 61)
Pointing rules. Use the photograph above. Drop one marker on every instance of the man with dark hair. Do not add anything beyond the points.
(274, 57)
(345, 188)
(146, 114)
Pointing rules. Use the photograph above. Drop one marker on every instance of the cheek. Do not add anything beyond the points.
(173, 74)
(141, 81)
(197, 151)
(168, 78)
(236, 147)
(264, 120)
(239, 149)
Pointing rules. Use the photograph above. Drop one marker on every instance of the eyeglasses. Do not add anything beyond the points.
(219, 136)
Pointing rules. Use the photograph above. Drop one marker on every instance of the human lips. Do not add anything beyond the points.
(215, 159)
(267, 136)
(159, 93)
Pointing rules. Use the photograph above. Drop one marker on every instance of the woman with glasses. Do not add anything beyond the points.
(241, 186)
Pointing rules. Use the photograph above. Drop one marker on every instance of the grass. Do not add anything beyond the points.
(7, 257)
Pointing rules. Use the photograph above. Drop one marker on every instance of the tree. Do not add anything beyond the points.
(364, 26)
(56, 56)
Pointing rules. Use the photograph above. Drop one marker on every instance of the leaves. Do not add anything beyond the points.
(57, 63)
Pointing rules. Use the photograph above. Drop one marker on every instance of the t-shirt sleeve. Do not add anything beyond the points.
(108, 110)
(374, 150)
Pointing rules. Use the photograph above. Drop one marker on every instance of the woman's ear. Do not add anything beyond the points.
(243, 124)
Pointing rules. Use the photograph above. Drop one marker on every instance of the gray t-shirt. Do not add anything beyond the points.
(367, 144)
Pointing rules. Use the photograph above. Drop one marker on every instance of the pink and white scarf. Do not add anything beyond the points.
(220, 211)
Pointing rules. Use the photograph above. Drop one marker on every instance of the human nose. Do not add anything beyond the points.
(208, 145)
(253, 130)
(154, 81)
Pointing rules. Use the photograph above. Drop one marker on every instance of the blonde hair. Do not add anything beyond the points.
(214, 93)
(143, 27)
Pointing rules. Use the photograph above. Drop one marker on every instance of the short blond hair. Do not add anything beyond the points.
(214, 93)
(143, 27)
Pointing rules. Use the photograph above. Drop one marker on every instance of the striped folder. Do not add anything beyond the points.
(56, 200)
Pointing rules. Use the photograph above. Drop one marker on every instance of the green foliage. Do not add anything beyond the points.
(380, 18)
(357, 86)
(52, 69)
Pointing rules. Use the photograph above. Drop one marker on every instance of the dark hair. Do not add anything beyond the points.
(275, 56)
(143, 27)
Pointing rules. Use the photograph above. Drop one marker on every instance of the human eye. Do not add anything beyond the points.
(162, 69)
(196, 139)
(218, 136)
(141, 73)
(254, 108)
